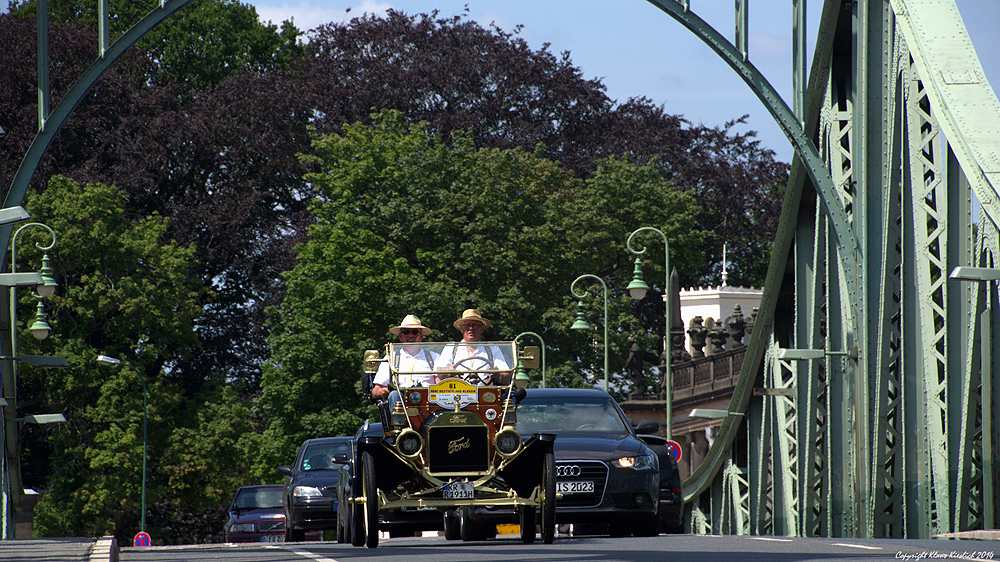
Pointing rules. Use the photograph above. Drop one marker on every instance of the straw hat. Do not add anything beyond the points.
(471, 315)
(410, 321)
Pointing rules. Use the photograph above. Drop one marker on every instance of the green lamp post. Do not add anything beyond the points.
(581, 320)
(637, 290)
(111, 361)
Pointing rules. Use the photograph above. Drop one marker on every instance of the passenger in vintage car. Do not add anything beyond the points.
(406, 359)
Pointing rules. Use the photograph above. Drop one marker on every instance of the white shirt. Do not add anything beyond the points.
(458, 351)
(424, 360)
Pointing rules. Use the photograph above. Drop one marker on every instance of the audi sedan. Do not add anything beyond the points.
(607, 476)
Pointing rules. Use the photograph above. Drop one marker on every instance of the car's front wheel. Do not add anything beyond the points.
(371, 499)
(549, 499)
(342, 518)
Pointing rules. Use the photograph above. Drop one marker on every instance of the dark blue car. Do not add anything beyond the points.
(310, 488)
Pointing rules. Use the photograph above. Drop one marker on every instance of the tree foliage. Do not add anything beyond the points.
(409, 223)
(200, 45)
(126, 291)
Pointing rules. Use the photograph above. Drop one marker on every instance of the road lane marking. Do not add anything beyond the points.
(304, 553)
(771, 539)
(848, 545)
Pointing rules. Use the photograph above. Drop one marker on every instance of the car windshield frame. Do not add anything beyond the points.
(258, 498)
(325, 456)
(570, 414)
(443, 355)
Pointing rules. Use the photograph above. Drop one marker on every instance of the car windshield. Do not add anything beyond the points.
(258, 498)
(443, 357)
(568, 414)
(326, 456)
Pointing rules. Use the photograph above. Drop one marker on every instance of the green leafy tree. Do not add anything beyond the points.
(128, 292)
(199, 45)
(407, 223)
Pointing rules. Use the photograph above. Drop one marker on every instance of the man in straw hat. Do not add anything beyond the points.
(408, 358)
(473, 357)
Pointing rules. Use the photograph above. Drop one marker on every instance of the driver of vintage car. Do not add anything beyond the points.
(464, 356)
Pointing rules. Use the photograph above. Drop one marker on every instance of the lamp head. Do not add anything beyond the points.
(40, 327)
(521, 378)
(49, 285)
(108, 361)
(581, 320)
(638, 287)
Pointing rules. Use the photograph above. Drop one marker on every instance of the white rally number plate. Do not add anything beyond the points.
(458, 490)
(574, 487)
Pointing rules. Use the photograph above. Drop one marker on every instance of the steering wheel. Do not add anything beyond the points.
(475, 377)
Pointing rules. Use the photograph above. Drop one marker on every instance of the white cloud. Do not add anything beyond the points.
(309, 15)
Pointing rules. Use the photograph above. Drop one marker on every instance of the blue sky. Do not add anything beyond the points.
(637, 50)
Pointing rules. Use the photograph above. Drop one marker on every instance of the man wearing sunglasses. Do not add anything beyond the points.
(408, 359)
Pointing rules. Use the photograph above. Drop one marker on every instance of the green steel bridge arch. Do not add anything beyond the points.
(867, 407)
(886, 424)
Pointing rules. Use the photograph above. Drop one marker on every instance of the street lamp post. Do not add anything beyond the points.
(637, 289)
(110, 361)
(581, 320)
(984, 275)
(45, 286)
(539, 338)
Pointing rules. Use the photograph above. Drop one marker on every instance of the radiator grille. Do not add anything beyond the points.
(458, 449)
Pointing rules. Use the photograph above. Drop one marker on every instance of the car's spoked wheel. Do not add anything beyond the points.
(356, 515)
(528, 525)
(549, 499)
(341, 516)
(371, 499)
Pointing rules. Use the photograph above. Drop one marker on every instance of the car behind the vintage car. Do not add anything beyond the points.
(310, 488)
(255, 515)
(607, 477)
(671, 498)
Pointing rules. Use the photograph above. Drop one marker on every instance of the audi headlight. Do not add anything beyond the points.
(409, 443)
(306, 492)
(242, 528)
(642, 462)
(507, 442)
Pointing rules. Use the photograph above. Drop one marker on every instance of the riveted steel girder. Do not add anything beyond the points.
(890, 428)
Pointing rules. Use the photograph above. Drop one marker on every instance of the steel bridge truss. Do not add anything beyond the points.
(867, 403)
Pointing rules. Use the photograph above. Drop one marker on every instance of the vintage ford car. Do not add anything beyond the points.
(449, 442)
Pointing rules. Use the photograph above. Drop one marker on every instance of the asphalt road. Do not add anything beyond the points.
(675, 548)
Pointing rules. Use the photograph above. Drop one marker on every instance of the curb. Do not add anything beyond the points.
(980, 535)
(105, 549)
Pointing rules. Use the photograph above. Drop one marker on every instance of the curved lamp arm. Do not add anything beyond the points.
(572, 289)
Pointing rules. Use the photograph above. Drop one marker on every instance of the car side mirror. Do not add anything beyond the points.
(372, 359)
(646, 427)
(531, 356)
(284, 470)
